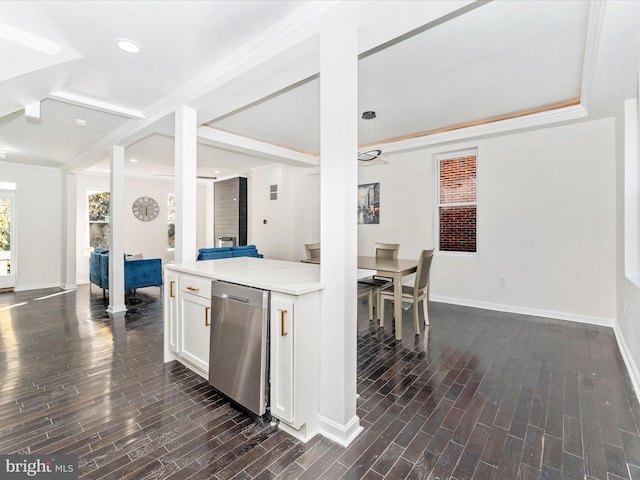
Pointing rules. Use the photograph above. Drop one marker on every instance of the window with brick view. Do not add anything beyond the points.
(457, 203)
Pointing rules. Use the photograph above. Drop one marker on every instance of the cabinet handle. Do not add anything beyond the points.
(282, 330)
(193, 289)
(207, 316)
(171, 283)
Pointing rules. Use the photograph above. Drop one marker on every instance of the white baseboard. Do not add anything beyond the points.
(24, 288)
(632, 368)
(571, 317)
(340, 434)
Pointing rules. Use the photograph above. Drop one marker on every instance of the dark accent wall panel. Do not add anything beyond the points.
(230, 209)
(242, 211)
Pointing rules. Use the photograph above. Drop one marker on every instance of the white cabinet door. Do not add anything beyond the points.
(282, 368)
(171, 311)
(195, 321)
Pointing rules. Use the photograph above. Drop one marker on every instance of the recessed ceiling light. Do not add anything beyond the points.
(128, 46)
(81, 122)
(133, 160)
(216, 171)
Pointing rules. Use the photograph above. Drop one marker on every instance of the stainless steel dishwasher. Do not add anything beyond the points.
(238, 355)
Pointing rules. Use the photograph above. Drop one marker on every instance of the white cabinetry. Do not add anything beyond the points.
(294, 347)
(188, 320)
(195, 313)
(294, 362)
(171, 311)
(282, 342)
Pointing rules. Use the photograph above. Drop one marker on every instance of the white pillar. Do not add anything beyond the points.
(186, 163)
(338, 185)
(69, 252)
(116, 307)
(209, 240)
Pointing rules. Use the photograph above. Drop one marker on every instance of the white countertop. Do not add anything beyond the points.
(294, 278)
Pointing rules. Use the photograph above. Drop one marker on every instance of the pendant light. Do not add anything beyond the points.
(369, 155)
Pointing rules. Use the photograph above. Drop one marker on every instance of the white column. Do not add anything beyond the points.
(209, 240)
(338, 185)
(116, 307)
(186, 163)
(69, 252)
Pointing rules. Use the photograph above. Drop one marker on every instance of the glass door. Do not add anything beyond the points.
(7, 235)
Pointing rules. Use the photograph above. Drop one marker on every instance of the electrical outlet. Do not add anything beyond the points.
(502, 281)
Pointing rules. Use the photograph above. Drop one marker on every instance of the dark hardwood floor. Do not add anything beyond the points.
(478, 395)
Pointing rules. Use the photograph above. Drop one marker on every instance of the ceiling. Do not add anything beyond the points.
(251, 70)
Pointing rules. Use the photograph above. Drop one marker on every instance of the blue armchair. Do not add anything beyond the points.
(137, 273)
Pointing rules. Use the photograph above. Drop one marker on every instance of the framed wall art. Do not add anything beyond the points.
(369, 203)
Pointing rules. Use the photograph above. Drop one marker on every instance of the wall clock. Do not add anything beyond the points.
(145, 209)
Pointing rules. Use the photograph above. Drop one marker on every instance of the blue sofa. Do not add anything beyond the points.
(137, 273)
(228, 252)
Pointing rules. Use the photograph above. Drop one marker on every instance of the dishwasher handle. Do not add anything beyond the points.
(239, 294)
(235, 299)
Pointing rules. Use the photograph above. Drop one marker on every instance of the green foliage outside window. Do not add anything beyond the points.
(5, 231)
(99, 219)
(99, 207)
(5, 225)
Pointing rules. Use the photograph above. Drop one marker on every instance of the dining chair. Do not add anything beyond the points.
(412, 294)
(313, 251)
(382, 250)
(387, 250)
(365, 290)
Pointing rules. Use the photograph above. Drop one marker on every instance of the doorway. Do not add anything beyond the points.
(7, 240)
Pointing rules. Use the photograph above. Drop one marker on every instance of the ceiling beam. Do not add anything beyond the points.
(237, 143)
(532, 120)
(97, 105)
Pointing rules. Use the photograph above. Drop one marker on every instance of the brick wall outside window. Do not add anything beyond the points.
(457, 204)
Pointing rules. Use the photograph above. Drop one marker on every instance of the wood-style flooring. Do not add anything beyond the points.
(478, 395)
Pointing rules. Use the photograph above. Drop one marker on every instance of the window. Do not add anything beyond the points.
(98, 209)
(457, 203)
(6, 228)
(171, 221)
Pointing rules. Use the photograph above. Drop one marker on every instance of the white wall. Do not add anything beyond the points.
(293, 219)
(628, 300)
(546, 222)
(148, 238)
(38, 221)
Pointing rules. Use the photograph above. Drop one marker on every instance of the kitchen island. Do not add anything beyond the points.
(294, 328)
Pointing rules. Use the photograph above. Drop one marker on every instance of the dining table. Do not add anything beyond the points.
(394, 268)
